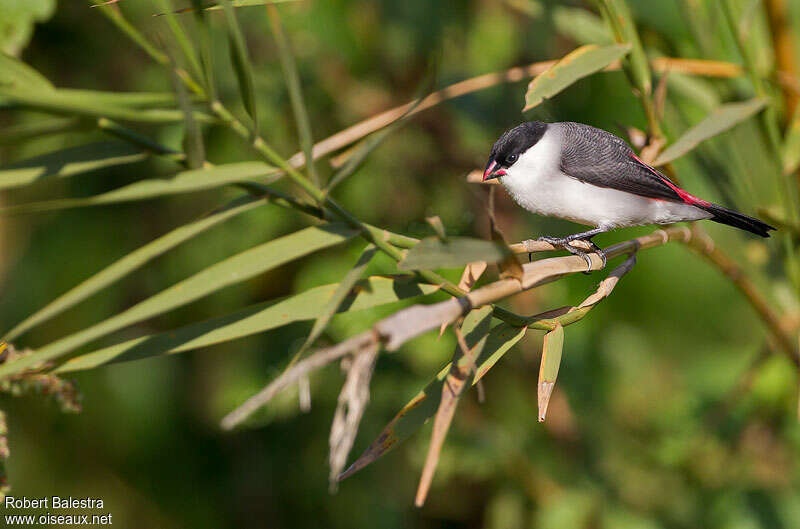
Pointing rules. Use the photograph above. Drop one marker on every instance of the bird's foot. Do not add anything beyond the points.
(564, 244)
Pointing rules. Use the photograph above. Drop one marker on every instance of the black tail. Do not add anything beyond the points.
(737, 220)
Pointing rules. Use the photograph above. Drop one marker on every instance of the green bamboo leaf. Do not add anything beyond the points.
(116, 18)
(184, 182)
(60, 102)
(422, 407)
(121, 99)
(192, 135)
(434, 253)
(236, 3)
(16, 74)
(791, 145)
(69, 162)
(581, 25)
(39, 128)
(206, 46)
(255, 319)
(133, 261)
(230, 271)
(181, 38)
(548, 369)
(339, 296)
(578, 64)
(502, 338)
(241, 64)
(618, 15)
(723, 118)
(292, 79)
(701, 91)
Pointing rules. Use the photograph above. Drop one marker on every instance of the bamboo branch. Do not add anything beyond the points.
(704, 245)
(363, 128)
(781, 31)
(393, 331)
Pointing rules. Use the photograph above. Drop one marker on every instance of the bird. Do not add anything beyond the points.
(590, 176)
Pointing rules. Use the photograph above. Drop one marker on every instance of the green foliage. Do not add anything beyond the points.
(670, 409)
(723, 118)
(584, 61)
(432, 253)
(17, 20)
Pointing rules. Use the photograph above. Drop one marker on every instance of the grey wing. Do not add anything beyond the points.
(600, 158)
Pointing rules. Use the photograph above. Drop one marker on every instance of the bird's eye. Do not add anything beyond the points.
(511, 158)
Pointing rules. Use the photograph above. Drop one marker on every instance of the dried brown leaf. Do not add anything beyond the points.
(459, 377)
(353, 400)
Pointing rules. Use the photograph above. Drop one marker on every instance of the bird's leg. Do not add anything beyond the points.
(564, 243)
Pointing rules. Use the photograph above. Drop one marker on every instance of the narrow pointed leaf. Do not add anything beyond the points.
(433, 253)
(255, 319)
(184, 182)
(791, 145)
(241, 63)
(292, 79)
(181, 38)
(578, 64)
(548, 369)
(236, 3)
(422, 407)
(581, 25)
(462, 369)
(122, 99)
(636, 65)
(58, 102)
(720, 120)
(206, 46)
(332, 307)
(230, 271)
(16, 74)
(192, 134)
(69, 162)
(39, 128)
(133, 261)
(502, 338)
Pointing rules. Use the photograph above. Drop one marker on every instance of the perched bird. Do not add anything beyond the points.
(589, 176)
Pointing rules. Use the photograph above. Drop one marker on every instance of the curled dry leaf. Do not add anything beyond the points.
(353, 400)
(424, 404)
(462, 370)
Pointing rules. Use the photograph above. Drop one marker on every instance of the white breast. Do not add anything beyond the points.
(536, 183)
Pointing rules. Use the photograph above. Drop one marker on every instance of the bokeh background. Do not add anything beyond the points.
(648, 426)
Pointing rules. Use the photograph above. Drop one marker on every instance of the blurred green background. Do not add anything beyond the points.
(637, 436)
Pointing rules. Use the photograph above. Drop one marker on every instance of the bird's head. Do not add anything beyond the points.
(511, 146)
